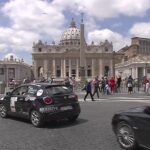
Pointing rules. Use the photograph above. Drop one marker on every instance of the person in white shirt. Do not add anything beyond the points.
(147, 86)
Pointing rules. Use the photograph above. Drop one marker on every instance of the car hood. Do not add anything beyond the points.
(136, 110)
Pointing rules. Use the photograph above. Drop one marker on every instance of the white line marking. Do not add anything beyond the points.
(118, 100)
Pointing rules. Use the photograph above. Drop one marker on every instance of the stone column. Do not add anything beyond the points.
(6, 75)
(77, 68)
(101, 68)
(64, 68)
(93, 68)
(35, 69)
(54, 68)
(69, 67)
(85, 68)
(46, 68)
(111, 74)
(136, 72)
(17, 73)
(82, 52)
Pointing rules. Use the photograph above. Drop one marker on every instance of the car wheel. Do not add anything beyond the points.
(125, 136)
(73, 118)
(36, 118)
(3, 111)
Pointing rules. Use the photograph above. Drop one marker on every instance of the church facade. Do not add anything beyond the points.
(71, 54)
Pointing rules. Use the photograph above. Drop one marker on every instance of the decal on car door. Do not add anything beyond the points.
(39, 92)
(12, 104)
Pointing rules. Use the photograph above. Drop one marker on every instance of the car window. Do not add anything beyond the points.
(32, 90)
(56, 90)
(20, 91)
(16, 92)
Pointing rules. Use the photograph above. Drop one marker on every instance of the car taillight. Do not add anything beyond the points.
(47, 100)
(73, 96)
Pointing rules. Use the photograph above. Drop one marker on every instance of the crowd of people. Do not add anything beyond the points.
(112, 85)
(97, 85)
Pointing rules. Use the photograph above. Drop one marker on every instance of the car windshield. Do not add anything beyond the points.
(58, 90)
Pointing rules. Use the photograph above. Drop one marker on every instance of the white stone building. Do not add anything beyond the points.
(12, 68)
(135, 59)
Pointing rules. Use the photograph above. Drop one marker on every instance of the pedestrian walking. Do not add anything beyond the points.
(103, 85)
(112, 85)
(144, 82)
(67, 82)
(26, 80)
(107, 89)
(118, 84)
(96, 87)
(88, 89)
(147, 86)
(130, 84)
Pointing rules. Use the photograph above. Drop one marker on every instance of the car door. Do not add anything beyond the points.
(23, 103)
(30, 96)
(143, 123)
(15, 98)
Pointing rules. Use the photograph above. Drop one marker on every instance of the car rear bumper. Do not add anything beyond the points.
(62, 114)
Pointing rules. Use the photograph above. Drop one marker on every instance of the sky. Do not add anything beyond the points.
(23, 22)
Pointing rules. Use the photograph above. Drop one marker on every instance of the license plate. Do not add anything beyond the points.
(48, 109)
(66, 108)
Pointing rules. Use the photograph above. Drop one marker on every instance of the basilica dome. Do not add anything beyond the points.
(71, 35)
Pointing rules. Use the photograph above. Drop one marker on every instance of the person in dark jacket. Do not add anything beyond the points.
(96, 87)
(88, 89)
(130, 84)
(119, 84)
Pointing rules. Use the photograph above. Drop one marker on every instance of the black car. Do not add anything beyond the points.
(40, 102)
(132, 128)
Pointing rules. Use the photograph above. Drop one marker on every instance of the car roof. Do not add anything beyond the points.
(44, 84)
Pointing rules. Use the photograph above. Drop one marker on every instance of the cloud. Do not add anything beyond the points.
(105, 34)
(28, 22)
(3, 47)
(101, 9)
(132, 8)
(140, 29)
(116, 25)
(16, 40)
(90, 25)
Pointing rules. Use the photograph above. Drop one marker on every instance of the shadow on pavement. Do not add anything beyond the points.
(53, 124)
(64, 123)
